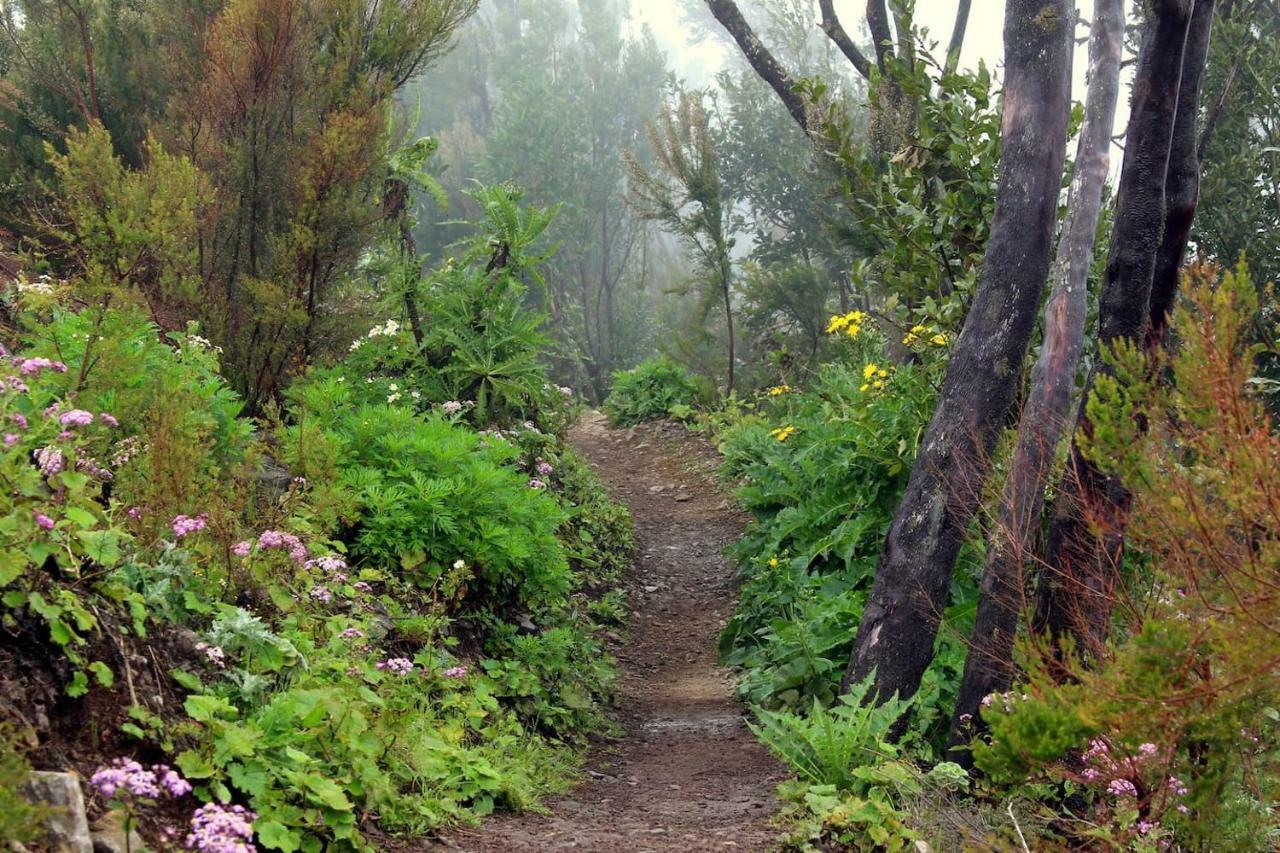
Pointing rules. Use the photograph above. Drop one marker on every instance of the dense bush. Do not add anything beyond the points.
(1170, 733)
(657, 388)
(385, 601)
(820, 470)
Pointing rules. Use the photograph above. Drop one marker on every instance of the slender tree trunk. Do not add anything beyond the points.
(761, 60)
(728, 314)
(1086, 531)
(896, 636)
(957, 34)
(1047, 411)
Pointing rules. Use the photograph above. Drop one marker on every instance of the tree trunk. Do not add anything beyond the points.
(761, 60)
(1086, 531)
(1046, 413)
(896, 636)
(1182, 179)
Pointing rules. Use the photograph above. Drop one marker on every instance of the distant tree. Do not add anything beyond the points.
(683, 192)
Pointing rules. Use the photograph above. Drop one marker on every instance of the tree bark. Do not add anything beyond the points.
(896, 636)
(1086, 530)
(761, 60)
(836, 32)
(1182, 179)
(1047, 410)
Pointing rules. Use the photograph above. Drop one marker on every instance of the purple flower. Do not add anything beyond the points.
(396, 666)
(32, 366)
(1145, 826)
(108, 419)
(285, 541)
(1122, 788)
(214, 654)
(352, 633)
(129, 776)
(76, 417)
(328, 563)
(535, 483)
(50, 459)
(134, 512)
(20, 420)
(10, 439)
(218, 829)
(44, 521)
(544, 469)
(185, 524)
(321, 594)
(242, 549)
(455, 672)
(361, 586)
(171, 781)
(451, 407)
(1148, 749)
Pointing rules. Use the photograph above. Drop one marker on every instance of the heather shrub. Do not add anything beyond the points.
(1169, 733)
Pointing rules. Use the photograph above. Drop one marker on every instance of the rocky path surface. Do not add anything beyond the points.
(687, 775)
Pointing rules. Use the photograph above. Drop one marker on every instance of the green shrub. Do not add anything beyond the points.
(651, 390)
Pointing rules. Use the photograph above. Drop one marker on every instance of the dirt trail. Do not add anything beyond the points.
(687, 775)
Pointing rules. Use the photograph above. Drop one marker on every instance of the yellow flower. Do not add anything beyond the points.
(837, 323)
(779, 390)
(864, 388)
(869, 371)
(773, 562)
(851, 323)
(879, 384)
(782, 433)
(939, 340)
(882, 373)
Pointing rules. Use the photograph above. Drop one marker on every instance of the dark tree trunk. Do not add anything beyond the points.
(395, 208)
(895, 639)
(1047, 410)
(1086, 531)
(1182, 179)
(761, 60)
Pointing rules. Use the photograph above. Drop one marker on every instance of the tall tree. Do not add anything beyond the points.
(896, 636)
(1085, 541)
(1046, 411)
(684, 193)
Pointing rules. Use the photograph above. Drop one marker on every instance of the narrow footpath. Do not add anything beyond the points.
(687, 775)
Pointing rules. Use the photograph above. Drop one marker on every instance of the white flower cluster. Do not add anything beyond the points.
(42, 285)
(389, 329)
(201, 343)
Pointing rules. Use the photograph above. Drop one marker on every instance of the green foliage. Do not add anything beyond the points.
(651, 390)
(20, 821)
(833, 746)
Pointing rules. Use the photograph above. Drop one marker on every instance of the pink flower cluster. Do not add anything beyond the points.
(50, 460)
(131, 777)
(44, 521)
(395, 666)
(544, 469)
(535, 483)
(1120, 774)
(33, 366)
(218, 829)
(76, 418)
(187, 524)
(455, 672)
(214, 654)
(274, 539)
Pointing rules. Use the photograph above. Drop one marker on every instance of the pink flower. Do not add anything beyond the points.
(44, 521)
(544, 469)
(396, 666)
(50, 459)
(214, 654)
(134, 512)
(10, 439)
(185, 524)
(352, 633)
(455, 672)
(1122, 788)
(242, 549)
(362, 586)
(322, 594)
(535, 483)
(19, 420)
(76, 417)
(108, 419)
